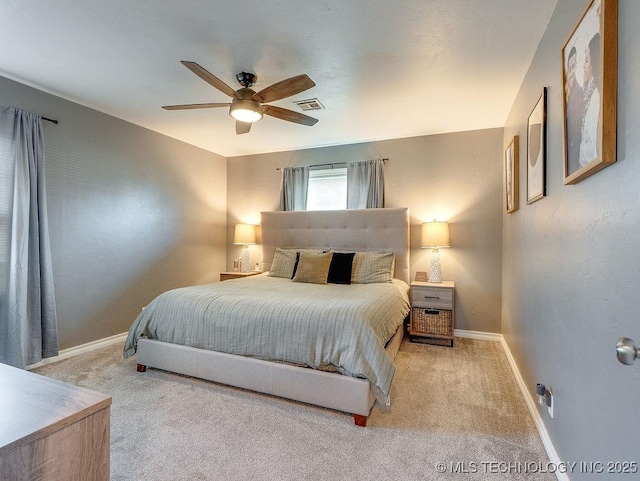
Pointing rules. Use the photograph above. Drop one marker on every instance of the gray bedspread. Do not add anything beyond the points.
(346, 326)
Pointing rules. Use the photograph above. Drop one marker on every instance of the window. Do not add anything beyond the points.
(327, 189)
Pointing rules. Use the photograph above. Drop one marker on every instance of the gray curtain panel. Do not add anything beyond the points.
(28, 327)
(365, 184)
(293, 192)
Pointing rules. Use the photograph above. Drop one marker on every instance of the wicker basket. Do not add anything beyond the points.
(432, 321)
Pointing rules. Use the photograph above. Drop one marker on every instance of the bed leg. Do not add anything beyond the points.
(141, 368)
(360, 420)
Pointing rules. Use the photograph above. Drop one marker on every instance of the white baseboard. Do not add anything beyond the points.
(481, 335)
(74, 351)
(535, 414)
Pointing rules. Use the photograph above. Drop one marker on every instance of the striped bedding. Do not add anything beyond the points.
(345, 326)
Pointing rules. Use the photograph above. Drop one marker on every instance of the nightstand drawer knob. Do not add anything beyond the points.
(431, 297)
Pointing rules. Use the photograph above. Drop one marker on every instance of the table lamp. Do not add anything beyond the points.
(435, 235)
(244, 235)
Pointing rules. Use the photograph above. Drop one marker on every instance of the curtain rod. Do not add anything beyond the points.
(332, 165)
(53, 121)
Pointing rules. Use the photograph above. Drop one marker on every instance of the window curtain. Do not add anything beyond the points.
(28, 327)
(365, 184)
(293, 192)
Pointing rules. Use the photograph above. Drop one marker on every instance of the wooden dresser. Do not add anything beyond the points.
(50, 430)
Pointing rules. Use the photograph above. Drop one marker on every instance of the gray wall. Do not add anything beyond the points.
(131, 213)
(571, 263)
(454, 177)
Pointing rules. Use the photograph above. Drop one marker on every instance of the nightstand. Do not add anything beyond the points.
(433, 312)
(225, 276)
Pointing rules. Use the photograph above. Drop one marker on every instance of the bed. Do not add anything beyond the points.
(185, 343)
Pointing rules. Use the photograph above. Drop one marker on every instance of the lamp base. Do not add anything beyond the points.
(245, 259)
(435, 274)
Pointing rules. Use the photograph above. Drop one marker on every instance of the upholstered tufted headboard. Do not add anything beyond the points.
(382, 230)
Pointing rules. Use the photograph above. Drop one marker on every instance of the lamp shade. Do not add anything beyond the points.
(435, 234)
(244, 234)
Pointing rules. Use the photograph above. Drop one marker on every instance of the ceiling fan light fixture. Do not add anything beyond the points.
(245, 110)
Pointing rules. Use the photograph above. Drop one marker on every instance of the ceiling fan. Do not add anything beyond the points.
(247, 106)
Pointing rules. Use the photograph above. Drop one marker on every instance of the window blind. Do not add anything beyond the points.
(327, 189)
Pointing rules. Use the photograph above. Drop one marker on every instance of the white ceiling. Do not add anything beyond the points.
(383, 69)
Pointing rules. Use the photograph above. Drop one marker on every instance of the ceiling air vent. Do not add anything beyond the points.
(309, 104)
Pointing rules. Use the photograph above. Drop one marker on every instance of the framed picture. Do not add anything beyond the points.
(511, 176)
(422, 276)
(589, 74)
(537, 150)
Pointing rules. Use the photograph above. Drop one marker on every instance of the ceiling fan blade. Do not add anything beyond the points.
(284, 88)
(242, 127)
(194, 106)
(288, 115)
(208, 77)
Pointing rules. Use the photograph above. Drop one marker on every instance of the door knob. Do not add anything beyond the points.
(627, 351)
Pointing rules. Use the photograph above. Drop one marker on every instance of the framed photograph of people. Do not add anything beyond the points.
(511, 176)
(589, 74)
(537, 150)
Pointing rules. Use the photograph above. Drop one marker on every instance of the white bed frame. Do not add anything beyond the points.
(362, 230)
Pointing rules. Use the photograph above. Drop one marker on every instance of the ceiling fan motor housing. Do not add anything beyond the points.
(246, 79)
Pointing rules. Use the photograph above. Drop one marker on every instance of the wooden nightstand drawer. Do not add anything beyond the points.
(433, 297)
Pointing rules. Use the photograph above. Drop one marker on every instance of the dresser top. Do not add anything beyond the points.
(32, 406)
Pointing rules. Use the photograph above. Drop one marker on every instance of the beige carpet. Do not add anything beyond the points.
(454, 406)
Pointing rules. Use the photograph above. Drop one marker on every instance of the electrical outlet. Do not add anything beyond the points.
(550, 403)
